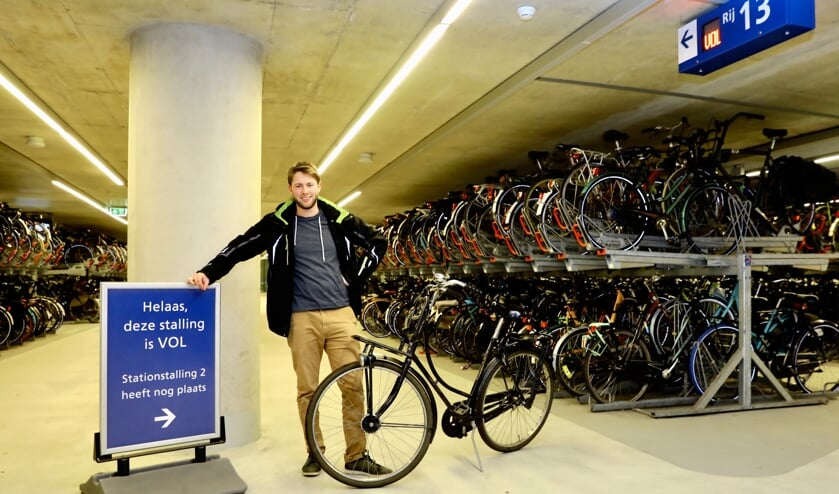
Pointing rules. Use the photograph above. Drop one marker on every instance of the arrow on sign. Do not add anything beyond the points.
(687, 36)
(168, 418)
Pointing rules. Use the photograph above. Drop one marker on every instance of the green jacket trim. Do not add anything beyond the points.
(342, 213)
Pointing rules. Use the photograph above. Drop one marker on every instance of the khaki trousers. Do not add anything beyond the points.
(312, 333)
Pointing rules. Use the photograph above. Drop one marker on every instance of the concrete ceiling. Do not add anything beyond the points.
(492, 89)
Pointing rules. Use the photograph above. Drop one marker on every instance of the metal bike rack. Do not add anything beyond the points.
(745, 357)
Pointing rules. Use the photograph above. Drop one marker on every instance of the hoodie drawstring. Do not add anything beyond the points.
(320, 230)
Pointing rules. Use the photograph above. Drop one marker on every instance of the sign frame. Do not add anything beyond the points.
(738, 29)
(174, 352)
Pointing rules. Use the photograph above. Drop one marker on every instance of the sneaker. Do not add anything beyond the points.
(365, 464)
(311, 467)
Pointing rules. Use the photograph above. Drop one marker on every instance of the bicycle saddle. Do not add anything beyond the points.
(612, 135)
(774, 133)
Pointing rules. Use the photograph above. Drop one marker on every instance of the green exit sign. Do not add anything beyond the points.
(118, 211)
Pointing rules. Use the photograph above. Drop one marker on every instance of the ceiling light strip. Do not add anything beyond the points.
(54, 125)
(827, 159)
(587, 34)
(95, 205)
(343, 202)
(413, 60)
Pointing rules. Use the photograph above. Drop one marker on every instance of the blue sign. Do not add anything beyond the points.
(159, 383)
(739, 29)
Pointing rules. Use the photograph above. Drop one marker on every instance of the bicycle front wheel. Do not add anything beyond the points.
(373, 318)
(514, 400)
(620, 372)
(568, 356)
(708, 221)
(710, 353)
(614, 213)
(346, 418)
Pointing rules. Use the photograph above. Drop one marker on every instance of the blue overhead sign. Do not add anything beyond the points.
(159, 382)
(739, 29)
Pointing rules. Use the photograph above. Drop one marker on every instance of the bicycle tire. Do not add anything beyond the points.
(397, 439)
(6, 325)
(709, 354)
(571, 192)
(522, 235)
(504, 200)
(815, 358)
(800, 218)
(613, 213)
(708, 222)
(514, 400)
(552, 223)
(609, 380)
(568, 357)
(373, 318)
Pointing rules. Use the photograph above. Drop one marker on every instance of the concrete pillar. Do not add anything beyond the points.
(194, 168)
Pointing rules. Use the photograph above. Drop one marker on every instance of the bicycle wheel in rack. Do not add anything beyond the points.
(800, 218)
(711, 351)
(396, 438)
(373, 318)
(815, 358)
(708, 221)
(568, 356)
(6, 325)
(618, 373)
(614, 213)
(514, 400)
(552, 223)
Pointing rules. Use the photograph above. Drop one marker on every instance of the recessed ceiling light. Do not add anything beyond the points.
(35, 141)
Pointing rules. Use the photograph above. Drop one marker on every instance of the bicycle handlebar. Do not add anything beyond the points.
(745, 114)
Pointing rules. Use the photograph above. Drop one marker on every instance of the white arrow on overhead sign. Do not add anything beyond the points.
(687, 41)
(168, 418)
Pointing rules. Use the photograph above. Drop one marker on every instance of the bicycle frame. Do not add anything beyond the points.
(499, 345)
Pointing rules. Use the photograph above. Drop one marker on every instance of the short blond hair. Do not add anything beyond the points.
(303, 167)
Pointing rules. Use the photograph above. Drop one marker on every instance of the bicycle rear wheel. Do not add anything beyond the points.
(352, 397)
(514, 400)
(815, 358)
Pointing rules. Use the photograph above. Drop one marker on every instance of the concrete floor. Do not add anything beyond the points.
(49, 412)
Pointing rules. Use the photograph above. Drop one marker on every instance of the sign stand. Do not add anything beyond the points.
(201, 475)
(159, 390)
(215, 475)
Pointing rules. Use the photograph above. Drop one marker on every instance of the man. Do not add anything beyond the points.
(319, 259)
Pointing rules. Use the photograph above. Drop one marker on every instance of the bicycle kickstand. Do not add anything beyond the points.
(475, 447)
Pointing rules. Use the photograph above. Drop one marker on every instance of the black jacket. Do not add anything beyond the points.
(360, 250)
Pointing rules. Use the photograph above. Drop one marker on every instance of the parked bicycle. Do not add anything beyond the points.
(508, 402)
(796, 345)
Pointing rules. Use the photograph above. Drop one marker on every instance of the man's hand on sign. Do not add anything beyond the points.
(200, 280)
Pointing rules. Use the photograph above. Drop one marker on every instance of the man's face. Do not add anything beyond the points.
(305, 189)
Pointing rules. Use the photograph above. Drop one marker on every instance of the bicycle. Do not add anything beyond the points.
(508, 403)
(794, 344)
(650, 349)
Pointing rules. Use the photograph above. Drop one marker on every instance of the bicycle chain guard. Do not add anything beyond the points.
(457, 421)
